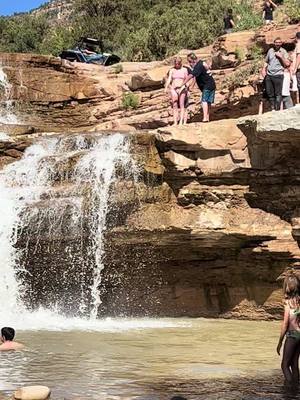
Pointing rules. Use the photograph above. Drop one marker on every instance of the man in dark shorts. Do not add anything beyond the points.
(268, 10)
(205, 82)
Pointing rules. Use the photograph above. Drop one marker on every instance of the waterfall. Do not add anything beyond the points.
(84, 169)
(7, 115)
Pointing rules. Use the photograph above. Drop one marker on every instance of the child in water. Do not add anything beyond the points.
(7, 338)
(291, 329)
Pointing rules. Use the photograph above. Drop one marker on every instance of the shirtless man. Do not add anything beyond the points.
(7, 338)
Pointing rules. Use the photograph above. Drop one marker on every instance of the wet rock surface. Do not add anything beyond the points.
(209, 229)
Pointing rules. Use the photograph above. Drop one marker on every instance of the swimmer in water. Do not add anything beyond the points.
(7, 338)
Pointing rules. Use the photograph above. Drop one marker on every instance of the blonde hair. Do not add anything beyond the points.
(178, 60)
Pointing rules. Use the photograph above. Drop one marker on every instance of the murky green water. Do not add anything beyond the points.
(144, 359)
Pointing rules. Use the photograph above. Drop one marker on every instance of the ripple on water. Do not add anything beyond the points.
(153, 359)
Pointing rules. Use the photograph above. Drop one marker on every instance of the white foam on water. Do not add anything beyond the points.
(4, 137)
(52, 321)
(21, 186)
(7, 115)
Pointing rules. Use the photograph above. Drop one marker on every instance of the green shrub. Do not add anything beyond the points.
(22, 33)
(256, 52)
(130, 101)
(245, 15)
(118, 68)
(138, 30)
(56, 40)
(292, 10)
(240, 54)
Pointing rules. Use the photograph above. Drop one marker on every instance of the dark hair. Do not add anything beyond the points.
(277, 39)
(192, 56)
(229, 11)
(298, 35)
(8, 333)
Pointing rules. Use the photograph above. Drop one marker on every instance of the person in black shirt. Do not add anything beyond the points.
(205, 82)
(269, 7)
(228, 21)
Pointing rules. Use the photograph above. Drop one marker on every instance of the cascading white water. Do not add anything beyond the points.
(7, 115)
(23, 186)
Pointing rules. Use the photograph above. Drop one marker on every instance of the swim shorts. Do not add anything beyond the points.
(208, 96)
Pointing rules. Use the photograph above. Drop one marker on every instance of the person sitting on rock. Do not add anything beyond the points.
(228, 21)
(276, 61)
(7, 338)
(176, 77)
(268, 10)
(205, 82)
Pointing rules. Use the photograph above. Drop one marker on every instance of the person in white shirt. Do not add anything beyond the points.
(287, 101)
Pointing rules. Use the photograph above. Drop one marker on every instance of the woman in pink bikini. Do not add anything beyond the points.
(175, 80)
(291, 329)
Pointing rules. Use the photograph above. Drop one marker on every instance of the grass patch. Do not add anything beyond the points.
(256, 53)
(240, 54)
(130, 101)
(292, 10)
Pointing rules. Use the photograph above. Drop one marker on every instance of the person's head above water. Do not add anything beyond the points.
(291, 286)
(7, 334)
(177, 62)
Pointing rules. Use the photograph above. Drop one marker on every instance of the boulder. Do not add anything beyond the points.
(275, 126)
(32, 393)
(229, 50)
(150, 79)
(265, 38)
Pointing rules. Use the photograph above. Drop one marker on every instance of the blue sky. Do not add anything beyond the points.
(8, 7)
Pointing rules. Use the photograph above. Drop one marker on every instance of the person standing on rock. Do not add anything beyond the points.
(276, 61)
(296, 64)
(290, 329)
(228, 21)
(174, 82)
(268, 10)
(7, 338)
(205, 82)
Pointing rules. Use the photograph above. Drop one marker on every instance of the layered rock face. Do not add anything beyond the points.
(220, 241)
(209, 229)
(211, 224)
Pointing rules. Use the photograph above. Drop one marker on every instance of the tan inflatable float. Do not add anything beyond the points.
(32, 393)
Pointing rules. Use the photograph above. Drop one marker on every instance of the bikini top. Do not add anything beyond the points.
(179, 73)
